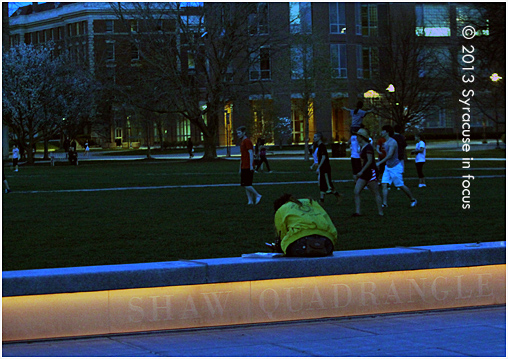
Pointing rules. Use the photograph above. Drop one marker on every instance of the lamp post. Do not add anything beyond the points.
(495, 78)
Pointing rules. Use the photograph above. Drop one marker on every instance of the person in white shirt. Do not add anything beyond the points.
(356, 162)
(357, 116)
(15, 157)
(420, 152)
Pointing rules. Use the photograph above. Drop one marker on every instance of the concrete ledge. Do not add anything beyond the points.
(146, 275)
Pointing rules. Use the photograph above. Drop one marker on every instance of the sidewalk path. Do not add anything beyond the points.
(479, 332)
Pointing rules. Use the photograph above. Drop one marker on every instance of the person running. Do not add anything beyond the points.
(324, 170)
(393, 170)
(357, 116)
(303, 228)
(367, 176)
(420, 152)
(247, 166)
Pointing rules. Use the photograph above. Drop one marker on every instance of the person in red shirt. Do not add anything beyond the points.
(247, 166)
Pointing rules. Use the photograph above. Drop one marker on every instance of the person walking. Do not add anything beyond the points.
(262, 156)
(15, 157)
(190, 148)
(6, 184)
(324, 170)
(367, 176)
(247, 166)
(357, 116)
(87, 149)
(303, 228)
(393, 170)
(420, 152)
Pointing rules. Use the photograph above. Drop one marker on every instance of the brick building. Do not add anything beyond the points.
(350, 35)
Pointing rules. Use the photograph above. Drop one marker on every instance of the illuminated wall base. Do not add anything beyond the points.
(206, 305)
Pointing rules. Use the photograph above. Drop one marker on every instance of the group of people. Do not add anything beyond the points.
(303, 227)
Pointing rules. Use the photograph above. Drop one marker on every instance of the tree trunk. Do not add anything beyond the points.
(46, 149)
(210, 147)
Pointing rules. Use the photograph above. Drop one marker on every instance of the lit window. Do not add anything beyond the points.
(337, 17)
(338, 60)
(300, 17)
(432, 20)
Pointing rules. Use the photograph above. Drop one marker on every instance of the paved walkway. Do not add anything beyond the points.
(477, 332)
(287, 154)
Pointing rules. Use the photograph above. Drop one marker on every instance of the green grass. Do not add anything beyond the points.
(45, 229)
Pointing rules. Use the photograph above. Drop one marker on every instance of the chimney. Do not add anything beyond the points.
(34, 7)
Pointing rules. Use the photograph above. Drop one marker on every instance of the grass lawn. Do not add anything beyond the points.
(147, 221)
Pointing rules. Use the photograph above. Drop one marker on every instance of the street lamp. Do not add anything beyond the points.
(495, 78)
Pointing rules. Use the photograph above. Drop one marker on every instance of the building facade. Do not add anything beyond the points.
(348, 38)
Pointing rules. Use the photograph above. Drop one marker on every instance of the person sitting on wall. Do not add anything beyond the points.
(303, 228)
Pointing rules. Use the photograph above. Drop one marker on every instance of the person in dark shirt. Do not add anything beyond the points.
(324, 170)
(367, 176)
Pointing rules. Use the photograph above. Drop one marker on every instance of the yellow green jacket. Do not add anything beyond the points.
(293, 222)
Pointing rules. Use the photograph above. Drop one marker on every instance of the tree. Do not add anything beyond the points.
(195, 59)
(408, 82)
(40, 89)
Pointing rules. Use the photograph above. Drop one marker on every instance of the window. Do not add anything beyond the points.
(301, 62)
(337, 18)
(261, 67)
(300, 17)
(369, 20)
(258, 21)
(109, 26)
(183, 130)
(358, 18)
(134, 25)
(367, 61)
(467, 15)
(110, 51)
(338, 60)
(191, 64)
(134, 52)
(434, 62)
(432, 20)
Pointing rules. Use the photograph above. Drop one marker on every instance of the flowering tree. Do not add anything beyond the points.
(40, 90)
(282, 130)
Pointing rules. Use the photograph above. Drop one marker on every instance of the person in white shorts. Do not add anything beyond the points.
(393, 169)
